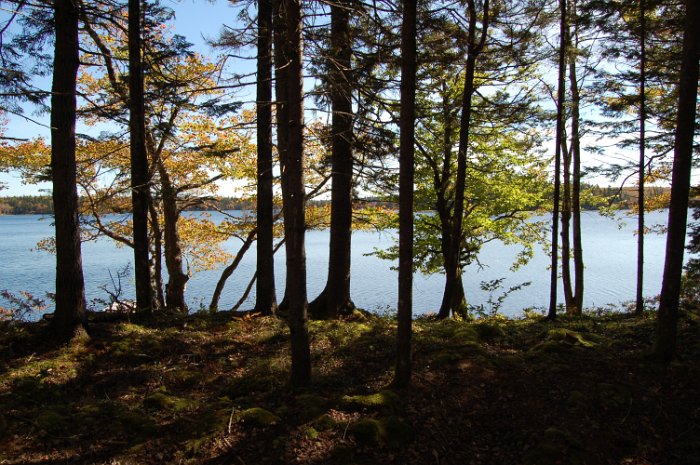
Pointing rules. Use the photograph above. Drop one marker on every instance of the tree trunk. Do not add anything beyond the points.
(402, 375)
(228, 271)
(639, 307)
(453, 271)
(266, 299)
(575, 307)
(281, 55)
(552, 313)
(576, 190)
(565, 214)
(157, 256)
(667, 322)
(335, 298)
(69, 317)
(177, 279)
(293, 199)
(139, 163)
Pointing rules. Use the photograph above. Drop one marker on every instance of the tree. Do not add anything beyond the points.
(187, 146)
(638, 74)
(24, 31)
(69, 317)
(294, 198)
(563, 26)
(667, 320)
(571, 204)
(402, 374)
(504, 176)
(335, 297)
(639, 301)
(139, 163)
(266, 299)
(450, 302)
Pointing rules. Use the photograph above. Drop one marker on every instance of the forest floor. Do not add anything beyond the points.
(211, 389)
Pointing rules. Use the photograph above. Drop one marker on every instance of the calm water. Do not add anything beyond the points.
(609, 255)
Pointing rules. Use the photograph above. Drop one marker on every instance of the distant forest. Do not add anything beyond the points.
(613, 196)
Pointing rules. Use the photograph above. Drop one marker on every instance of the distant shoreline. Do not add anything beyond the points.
(43, 204)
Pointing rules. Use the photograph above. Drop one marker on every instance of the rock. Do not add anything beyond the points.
(121, 306)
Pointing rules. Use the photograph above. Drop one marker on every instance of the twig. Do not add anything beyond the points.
(230, 419)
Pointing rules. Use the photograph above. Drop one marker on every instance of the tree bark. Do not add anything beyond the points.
(451, 303)
(667, 321)
(561, 89)
(157, 255)
(576, 190)
(228, 271)
(266, 299)
(402, 374)
(639, 307)
(293, 198)
(281, 58)
(335, 299)
(571, 204)
(139, 164)
(565, 214)
(177, 279)
(69, 317)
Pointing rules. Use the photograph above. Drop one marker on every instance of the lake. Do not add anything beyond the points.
(609, 254)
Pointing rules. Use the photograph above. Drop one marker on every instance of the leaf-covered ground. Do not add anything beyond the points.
(211, 390)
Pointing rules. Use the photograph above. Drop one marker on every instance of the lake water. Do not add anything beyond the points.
(609, 255)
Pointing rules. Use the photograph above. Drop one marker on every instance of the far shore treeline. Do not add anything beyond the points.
(614, 197)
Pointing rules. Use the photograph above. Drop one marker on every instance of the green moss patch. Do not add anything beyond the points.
(384, 401)
(163, 400)
(258, 417)
(489, 332)
(390, 431)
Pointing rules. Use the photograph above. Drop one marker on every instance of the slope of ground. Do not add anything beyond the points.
(210, 389)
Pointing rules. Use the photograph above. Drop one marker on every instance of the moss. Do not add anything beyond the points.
(568, 336)
(312, 401)
(489, 332)
(613, 396)
(577, 399)
(164, 401)
(455, 354)
(466, 332)
(138, 422)
(397, 432)
(196, 445)
(257, 417)
(446, 357)
(385, 401)
(342, 453)
(311, 405)
(311, 433)
(54, 420)
(390, 431)
(561, 340)
(184, 377)
(367, 431)
(325, 423)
